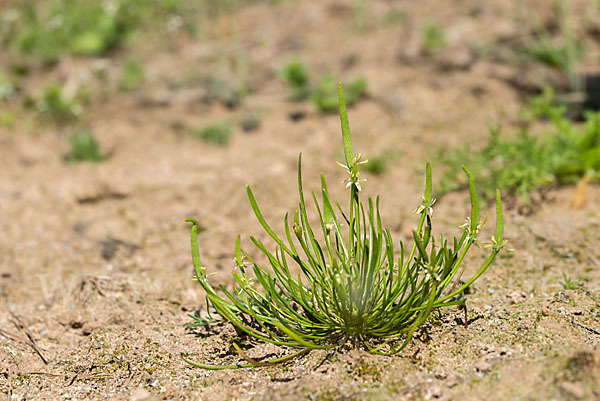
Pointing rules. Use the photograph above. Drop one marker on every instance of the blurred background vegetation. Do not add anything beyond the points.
(62, 57)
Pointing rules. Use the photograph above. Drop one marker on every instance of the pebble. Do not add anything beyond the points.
(572, 390)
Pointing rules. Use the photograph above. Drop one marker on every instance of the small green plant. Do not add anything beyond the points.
(250, 122)
(360, 11)
(7, 119)
(562, 52)
(56, 106)
(523, 163)
(224, 92)
(393, 17)
(295, 74)
(218, 133)
(379, 164)
(7, 89)
(325, 96)
(84, 148)
(342, 280)
(132, 75)
(570, 284)
(434, 38)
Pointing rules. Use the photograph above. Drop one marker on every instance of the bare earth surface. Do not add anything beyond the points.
(95, 269)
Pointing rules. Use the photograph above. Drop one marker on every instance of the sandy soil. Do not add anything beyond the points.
(95, 271)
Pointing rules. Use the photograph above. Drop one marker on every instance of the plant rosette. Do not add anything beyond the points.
(342, 280)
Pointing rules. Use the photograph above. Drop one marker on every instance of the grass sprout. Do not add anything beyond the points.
(394, 17)
(379, 164)
(563, 52)
(132, 75)
(434, 38)
(342, 279)
(84, 148)
(569, 284)
(56, 106)
(217, 134)
(325, 95)
(295, 74)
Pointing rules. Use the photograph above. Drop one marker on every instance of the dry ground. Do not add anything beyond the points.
(94, 258)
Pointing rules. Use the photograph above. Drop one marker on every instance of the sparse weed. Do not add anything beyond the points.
(325, 97)
(7, 119)
(361, 15)
(562, 52)
(569, 284)
(393, 17)
(224, 92)
(218, 133)
(84, 148)
(250, 122)
(523, 163)
(295, 74)
(324, 94)
(56, 106)
(379, 164)
(132, 75)
(338, 281)
(7, 89)
(434, 38)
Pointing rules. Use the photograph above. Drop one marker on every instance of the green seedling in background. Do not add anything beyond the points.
(562, 52)
(569, 284)
(325, 98)
(361, 15)
(380, 164)
(85, 148)
(250, 122)
(132, 75)
(295, 74)
(394, 17)
(224, 92)
(56, 106)
(341, 280)
(324, 95)
(7, 89)
(217, 134)
(434, 38)
(524, 163)
(7, 119)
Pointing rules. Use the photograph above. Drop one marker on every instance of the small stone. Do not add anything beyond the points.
(453, 380)
(483, 366)
(439, 372)
(572, 390)
(140, 394)
(436, 391)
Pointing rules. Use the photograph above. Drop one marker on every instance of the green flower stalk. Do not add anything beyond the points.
(342, 279)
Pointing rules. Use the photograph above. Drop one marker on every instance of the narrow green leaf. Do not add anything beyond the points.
(474, 201)
(428, 186)
(238, 252)
(348, 151)
(327, 208)
(198, 268)
(499, 220)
